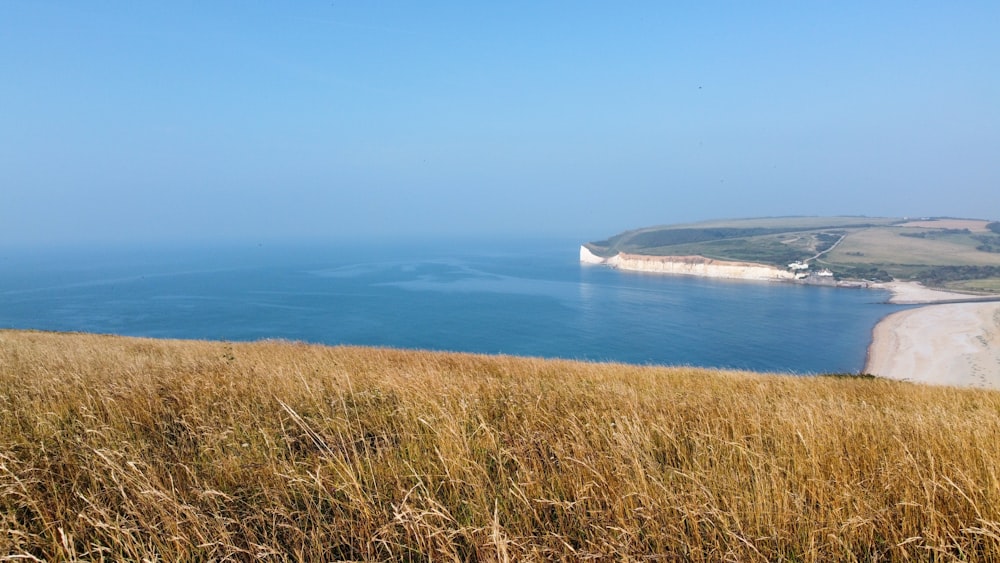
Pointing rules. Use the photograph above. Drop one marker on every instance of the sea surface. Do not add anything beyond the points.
(528, 298)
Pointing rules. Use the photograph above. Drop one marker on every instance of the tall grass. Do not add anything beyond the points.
(132, 449)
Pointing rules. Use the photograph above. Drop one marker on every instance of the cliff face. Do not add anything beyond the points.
(588, 257)
(688, 265)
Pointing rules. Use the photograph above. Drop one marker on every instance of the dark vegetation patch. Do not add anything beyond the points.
(994, 226)
(937, 233)
(848, 375)
(939, 275)
(862, 272)
(761, 251)
(825, 241)
(989, 243)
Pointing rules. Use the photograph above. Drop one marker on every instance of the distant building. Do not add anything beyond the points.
(798, 266)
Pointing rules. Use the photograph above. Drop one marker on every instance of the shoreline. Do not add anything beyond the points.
(688, 265)
(951, 339)
(914, 293)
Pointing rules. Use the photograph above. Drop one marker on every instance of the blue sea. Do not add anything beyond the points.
(520, 297)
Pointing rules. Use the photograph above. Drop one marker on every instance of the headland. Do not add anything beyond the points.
(950, 266)
(687, 265)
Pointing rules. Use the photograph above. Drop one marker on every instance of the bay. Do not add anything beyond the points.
(520, 297)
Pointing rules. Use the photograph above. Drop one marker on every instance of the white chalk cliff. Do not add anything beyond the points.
(588, 257)
(688, 266)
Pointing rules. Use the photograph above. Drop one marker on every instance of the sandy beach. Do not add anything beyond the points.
(910, 293)
(942, 344)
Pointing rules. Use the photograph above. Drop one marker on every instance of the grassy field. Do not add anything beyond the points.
(991, 285)
(131, 449)
(744, 233)
(888, 245)
(788, 223)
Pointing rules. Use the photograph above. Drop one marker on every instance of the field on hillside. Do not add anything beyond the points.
(953, 253)
(133, 449)
(785, 223)
(901, 246)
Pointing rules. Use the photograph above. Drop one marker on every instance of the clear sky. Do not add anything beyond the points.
(157, 121)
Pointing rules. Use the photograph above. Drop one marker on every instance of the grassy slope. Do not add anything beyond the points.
(137, 449)
(887, 246)
(785, 229)
(793, 222)
(907, 257)
(877, 246)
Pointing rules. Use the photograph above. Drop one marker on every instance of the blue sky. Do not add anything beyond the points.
(201, 121)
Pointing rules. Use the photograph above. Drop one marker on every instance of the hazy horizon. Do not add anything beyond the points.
(187, 121)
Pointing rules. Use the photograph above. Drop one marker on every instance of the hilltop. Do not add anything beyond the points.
(957, 254)
(119, 448)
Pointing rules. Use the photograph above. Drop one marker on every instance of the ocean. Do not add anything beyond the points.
(519, 297)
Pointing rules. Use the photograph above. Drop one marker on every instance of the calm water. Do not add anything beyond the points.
(511, 298)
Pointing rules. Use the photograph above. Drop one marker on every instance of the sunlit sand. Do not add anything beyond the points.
(945, 344)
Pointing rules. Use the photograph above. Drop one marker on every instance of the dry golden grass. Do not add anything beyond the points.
(974, 225)
(131, 449)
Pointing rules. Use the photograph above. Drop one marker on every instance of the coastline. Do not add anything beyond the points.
(913, 293)
(698, 266)
(953, 339)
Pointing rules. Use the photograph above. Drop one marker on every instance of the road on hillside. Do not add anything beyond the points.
(840, 240)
